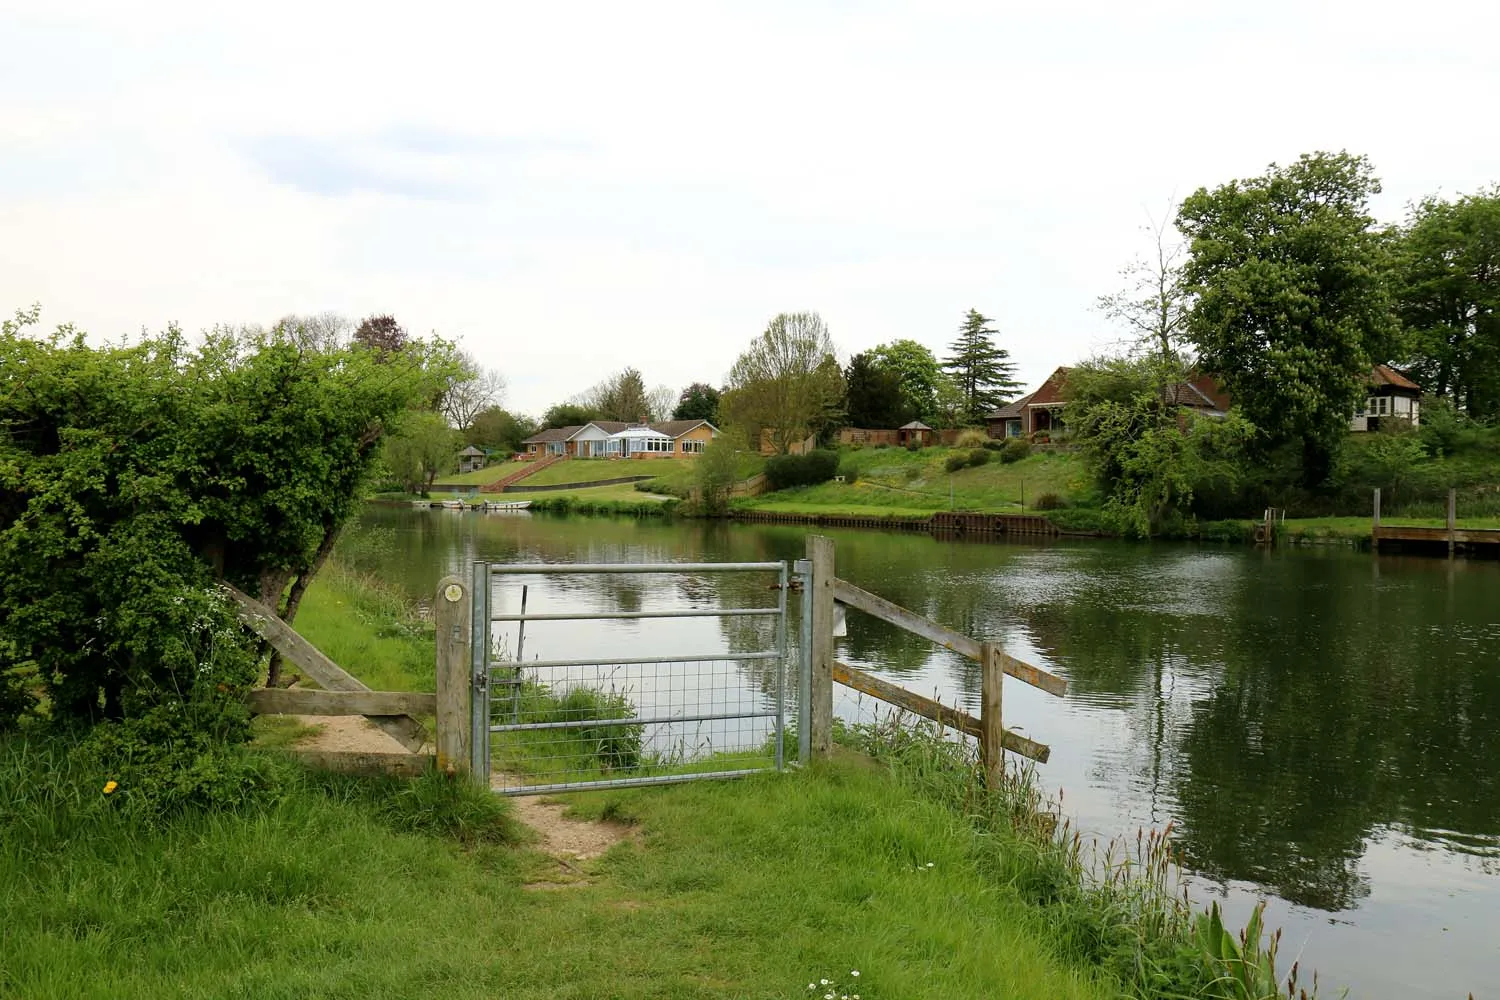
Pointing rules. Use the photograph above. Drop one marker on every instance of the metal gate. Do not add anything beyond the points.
(603, 720)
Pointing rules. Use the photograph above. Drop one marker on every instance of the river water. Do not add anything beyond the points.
(1322, 725)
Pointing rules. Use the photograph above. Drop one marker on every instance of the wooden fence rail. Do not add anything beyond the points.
(993, 738)
(398, 713)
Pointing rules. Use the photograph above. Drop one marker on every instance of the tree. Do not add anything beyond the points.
(1153, 305)
(1149, 456)
(498, 428)
(133, 477)
(1286, 271)
(471, 390)
(569, 415)
(324, 331)
(382, 334)
(983, 372)
(1447, 292)
(622, 397)
(788, 382)
(699, 401)
(718, 470)
(663, 400)
(918, 375)
(420, 447)
(872, 393)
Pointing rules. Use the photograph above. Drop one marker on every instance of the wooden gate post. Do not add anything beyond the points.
(820, 711)
(992, 744)
(451, 609)
(1452, 519)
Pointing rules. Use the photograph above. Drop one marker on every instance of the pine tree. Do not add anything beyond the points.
(984, 373)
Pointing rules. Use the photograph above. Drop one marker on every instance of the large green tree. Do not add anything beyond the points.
(918, 375)
(787, 383)
(983, 372)
(498, 428)
(699, 401)
(872, 393)
(1447, 291)
(1290, 302)
(420, 447)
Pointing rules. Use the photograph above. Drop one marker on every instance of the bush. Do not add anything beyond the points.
(993, 445)
(815, 467)
(956, 461)
(978, 457)
(971, 437)
(1049, 501)
(1014, 450)
(915, 444)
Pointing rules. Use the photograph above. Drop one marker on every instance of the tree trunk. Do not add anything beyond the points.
(288, 613)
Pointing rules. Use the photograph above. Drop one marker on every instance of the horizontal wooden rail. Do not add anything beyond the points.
(936, 711)
(275, 701)
(265, 623)
(872, 604)
(400, 765)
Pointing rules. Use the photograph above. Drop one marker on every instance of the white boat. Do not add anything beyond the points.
(453, 504)
(507, 504)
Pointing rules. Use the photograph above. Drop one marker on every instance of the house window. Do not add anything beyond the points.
(692, 447)
(1363, 405)
(1384, 405)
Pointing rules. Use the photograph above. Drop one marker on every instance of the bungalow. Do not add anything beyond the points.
(1392, 396)
(618, 439)
(1040, 414)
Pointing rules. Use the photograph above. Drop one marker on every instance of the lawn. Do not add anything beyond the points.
(588, 470)
(484, 476)
(1360, 527)
(895, 481)
(619, 491)
(748, 889)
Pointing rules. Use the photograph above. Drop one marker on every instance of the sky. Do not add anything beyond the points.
(570, 188)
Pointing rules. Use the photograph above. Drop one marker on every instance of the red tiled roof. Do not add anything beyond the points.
(1011, 410)
(1386, 375)
(1050, 391)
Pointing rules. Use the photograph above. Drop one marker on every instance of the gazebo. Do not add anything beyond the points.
(915, 432)
(640, 441)
(471, 459)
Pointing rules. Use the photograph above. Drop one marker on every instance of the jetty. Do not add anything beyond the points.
(1451, 536)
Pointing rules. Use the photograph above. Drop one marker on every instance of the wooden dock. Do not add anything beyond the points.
(1452, 537)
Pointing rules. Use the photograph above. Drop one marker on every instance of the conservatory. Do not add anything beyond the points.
(640, 440)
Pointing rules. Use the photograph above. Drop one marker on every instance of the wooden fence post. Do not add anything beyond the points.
(820, 711)
(992, 744)
(1375, 532)
(451, 609)
(1452, 519)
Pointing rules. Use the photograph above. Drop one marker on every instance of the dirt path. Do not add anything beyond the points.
(567, 840)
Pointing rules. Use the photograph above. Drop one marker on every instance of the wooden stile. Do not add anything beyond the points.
(276, 701)
(820, 554)
(269, 626)
(400, 765)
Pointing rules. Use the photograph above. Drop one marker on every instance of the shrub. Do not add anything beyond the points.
(915, 444)
(978, 457)
(1049, 501)
(802, 470)
(1014, 450)
(971, 437)
(956, 461)
(993, 445)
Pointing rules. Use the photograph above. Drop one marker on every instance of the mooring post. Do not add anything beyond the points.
(1375, 528)
(1452, 519)
(820, 709)
(992, 743)
(451, 609)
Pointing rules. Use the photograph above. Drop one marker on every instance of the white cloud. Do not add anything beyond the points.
(575, 187)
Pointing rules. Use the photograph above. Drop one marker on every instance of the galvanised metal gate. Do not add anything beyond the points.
(606, 720)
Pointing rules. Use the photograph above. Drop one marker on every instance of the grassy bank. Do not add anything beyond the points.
(881, 481)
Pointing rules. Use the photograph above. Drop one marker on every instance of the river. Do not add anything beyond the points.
(1323, 725)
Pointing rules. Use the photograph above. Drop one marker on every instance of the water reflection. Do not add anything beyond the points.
(1298, 712)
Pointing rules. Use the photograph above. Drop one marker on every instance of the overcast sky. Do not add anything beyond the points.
(570, 188)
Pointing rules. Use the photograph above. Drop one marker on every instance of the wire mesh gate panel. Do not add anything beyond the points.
(614, 674)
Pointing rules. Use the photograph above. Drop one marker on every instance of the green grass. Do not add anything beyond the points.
(368, 627)
(589, 470)
(748, 889)
(1359, 528)
(895, 481)
(484, 476)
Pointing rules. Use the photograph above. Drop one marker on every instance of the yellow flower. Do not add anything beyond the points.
(110, 786)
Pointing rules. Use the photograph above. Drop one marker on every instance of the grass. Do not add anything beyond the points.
(368, 627)
(881, 481)
(588, 470)
(747, 889)
(484, 476)
(1359, 528)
